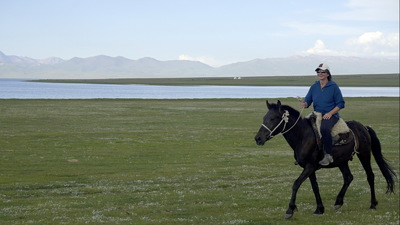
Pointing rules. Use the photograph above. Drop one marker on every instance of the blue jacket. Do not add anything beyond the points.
(325, 99)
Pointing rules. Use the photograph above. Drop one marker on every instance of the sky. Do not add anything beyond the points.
(215, 32)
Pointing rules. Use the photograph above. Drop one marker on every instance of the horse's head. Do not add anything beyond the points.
(273, 123)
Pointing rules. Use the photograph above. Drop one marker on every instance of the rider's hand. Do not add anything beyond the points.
(327, 116)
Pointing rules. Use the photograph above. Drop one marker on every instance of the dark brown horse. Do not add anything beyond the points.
(299, 133)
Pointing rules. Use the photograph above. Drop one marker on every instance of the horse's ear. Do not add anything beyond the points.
(268, 105)
(279, 105)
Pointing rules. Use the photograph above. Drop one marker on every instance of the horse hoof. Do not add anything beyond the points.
(288, 216)
(318, 212)
(337, 207)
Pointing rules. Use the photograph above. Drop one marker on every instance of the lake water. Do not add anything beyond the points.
(20, 89)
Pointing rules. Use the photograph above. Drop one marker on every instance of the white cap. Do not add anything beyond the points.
(322, 66)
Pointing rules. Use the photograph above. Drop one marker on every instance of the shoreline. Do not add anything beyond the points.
(365, 80)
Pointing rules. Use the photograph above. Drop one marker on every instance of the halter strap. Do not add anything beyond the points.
(285, 118)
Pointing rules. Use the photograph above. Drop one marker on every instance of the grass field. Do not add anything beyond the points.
(173, 162)
(376, 80)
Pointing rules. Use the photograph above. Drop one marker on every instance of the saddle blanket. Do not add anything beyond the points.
(339, 128)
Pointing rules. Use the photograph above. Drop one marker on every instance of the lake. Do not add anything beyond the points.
(20, 89)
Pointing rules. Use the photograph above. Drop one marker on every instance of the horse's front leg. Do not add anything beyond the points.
(308, 170)
(320, 207)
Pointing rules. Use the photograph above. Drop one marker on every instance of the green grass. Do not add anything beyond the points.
(173, 162)
(376, 80)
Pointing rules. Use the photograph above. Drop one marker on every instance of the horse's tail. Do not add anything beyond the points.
(385, 168)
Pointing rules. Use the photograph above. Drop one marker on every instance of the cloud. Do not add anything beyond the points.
(377, 38)
(186, 57)
(369, 44)
(369, 10)
(345, 22)
(325, 28)
(369, 37)
(204, 59)
(375, 44)
(320, 49)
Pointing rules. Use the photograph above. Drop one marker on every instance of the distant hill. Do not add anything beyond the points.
(305, 65)
(119, 67)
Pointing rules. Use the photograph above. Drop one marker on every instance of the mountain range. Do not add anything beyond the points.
(119, 67)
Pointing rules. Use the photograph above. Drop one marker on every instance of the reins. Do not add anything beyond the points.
(285, 119)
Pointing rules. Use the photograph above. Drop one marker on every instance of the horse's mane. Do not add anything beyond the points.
(291, 111)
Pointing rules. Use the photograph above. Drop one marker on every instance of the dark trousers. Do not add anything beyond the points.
(326, 128)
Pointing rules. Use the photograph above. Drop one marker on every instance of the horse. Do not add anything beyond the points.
(301, 137)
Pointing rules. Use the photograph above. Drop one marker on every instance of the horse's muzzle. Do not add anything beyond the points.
(259, 140)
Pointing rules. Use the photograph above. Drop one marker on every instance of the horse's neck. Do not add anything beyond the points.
(295, 136)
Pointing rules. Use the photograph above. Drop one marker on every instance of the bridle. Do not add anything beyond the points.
(285, 120)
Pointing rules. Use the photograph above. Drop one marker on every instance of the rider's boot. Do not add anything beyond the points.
(326, 160)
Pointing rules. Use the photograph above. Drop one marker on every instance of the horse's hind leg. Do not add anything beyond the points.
(366, 163)
(347, 178)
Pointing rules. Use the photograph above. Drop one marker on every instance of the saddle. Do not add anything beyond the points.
(341, 133)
